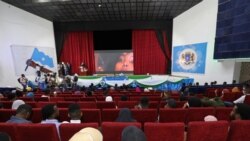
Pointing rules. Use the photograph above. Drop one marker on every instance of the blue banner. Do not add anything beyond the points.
(190, 58)
(42, 58)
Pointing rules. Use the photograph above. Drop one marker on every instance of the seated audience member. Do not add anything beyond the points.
(240, 111)
(12, 96)
(4, 137)
(137, 89)
(108, 99)
(87, 134)
(16, 104)
(23, 113)
(75, 113)
(193, 102)
(197, 84)
(50, 114)
(214, 102)
(224, 83)
(1, 95)
(210, 118)
(89, 93)
(165, 95)
(46, 93)
(234, 82)
(146, 90)
(105, 92)
(235, 90)
(144, 103)
(171, 103)
(30, 93)
(124, 98)
(245, 91)
(125, 115)
(132, 133)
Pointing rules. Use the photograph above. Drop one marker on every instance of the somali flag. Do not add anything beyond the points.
(42, 58)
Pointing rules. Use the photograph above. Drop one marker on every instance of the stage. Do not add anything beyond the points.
(159, 82)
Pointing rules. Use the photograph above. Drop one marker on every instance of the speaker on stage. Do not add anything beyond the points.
(83, 69)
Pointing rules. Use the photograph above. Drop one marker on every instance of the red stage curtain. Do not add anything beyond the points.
(79, 47)
(148, 56)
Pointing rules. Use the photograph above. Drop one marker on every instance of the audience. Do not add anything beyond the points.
(125, 115)
(210, 118)
(213, 102)
(124, 98)
(4, 137)
(193, 102)
(16, 104)
(144, 103)
(23, 113)
(137, 89)
(87, 134)
(108, 99)
(50, 114)
(165, 95)
(235, 90)
(245, 91)
(75, 113)
(12, 96)
(132, 133)
(171, 103)
(240, 111)
(46, 93)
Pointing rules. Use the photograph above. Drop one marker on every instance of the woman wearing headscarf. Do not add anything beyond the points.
(132, 133)
(125, 116)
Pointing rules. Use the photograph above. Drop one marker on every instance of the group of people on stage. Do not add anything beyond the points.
(64, 69)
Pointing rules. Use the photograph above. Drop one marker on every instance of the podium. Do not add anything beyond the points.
(83, 71)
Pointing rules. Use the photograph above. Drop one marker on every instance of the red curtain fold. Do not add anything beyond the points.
(168, 51)
(79, 47)
(148, 56)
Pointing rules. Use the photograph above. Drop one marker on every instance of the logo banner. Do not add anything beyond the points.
(190, 58)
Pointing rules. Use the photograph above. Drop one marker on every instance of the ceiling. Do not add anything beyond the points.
(105, 10)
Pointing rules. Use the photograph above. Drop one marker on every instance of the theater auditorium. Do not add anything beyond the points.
(124, 70)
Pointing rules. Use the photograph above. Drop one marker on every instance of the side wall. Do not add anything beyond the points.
(19, 27)
(198, 25)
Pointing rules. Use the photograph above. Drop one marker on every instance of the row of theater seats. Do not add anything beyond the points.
(93, 98)
(95, 105)
(196, 131)
(144, 115)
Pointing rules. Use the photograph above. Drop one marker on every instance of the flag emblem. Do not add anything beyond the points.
(41, 57)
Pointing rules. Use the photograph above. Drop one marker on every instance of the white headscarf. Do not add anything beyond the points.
(17, 103)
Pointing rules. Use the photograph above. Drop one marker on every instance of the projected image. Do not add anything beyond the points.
(114, 61)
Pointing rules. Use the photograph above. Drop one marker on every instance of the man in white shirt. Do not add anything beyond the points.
(74, 113)
(50, 114)
(245, 91)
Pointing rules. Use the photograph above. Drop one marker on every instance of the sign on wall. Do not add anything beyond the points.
(190, 58)
(29, 59)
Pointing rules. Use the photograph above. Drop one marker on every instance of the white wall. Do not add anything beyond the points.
(18, 27)
(198, 25)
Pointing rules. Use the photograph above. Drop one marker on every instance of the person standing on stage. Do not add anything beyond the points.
(68, 68)
(83, 68)
(23, 81)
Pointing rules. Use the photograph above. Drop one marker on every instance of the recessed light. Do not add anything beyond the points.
(99, 5)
